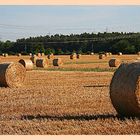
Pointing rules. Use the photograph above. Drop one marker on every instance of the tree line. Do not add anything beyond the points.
(84, 43)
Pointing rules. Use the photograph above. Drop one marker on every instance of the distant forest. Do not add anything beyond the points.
(127, 43)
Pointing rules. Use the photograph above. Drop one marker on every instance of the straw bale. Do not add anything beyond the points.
(27, 63)
(33, 58)
(42, 62)
(138, 53)
(6, 55)
(19, 54)
(79, 56)
(101, 56)
(125, 89)
(120, 53)
(12, 74)
(106, 54)
(114, 62)
(73, 56)
(57, 62)
(39, 54)
(51, 56)
(42, 54)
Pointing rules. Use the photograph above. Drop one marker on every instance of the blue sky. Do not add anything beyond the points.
(25, 21)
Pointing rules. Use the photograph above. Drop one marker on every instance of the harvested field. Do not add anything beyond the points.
(64, 102)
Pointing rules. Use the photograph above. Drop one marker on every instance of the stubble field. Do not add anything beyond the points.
(72, 99)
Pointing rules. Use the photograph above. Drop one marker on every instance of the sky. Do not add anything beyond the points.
(24, 21)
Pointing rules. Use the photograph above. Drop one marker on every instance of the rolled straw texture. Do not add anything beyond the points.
(12, 74)
(27, 63)
(125, 89)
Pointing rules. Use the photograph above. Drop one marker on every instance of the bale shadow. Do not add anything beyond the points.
(97, 86)
(76, 117)
(2, 86)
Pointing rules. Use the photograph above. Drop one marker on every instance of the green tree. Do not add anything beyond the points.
(123, 46)
(38, 48)
(59, 51)
(49, 51)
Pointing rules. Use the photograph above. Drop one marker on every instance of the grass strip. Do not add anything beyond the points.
(79, 69)
(84, 62)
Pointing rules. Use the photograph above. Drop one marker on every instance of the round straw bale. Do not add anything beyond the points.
(125, 89)
(42, 62)
(39, 54)
(33, 58)
(12, 74)
(28, 64)
(120, 53)
(30, 54)
(138, 53)
(92, 53)
(72, 56)
(114, 62)
(74, 53)
(6, 54)
(110, 53)
(78, 56)
(57, 62)
(42, 54)
(3, 54)
(101, 56)
(19, 54)
(50, 56)
(106, 54)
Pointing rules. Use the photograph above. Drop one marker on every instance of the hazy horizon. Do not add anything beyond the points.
(25, 21)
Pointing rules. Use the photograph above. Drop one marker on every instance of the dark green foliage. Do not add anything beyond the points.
(123, 46)
(49, 51)
(66, 44)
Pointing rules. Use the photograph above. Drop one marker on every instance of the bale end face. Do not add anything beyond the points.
(27, 64)
(42, 62)
(6, 55)
(30, 54)
(39, 54)
(12, 74)
(50, 56)
(72, 56)
(19, 54)
(57, 62)
(106, 54)
(138, 53)
(78, 56)
(120, 53)
(125, 89)
(33, 58)
(42, 54)
(114, 62)
(101, 56)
